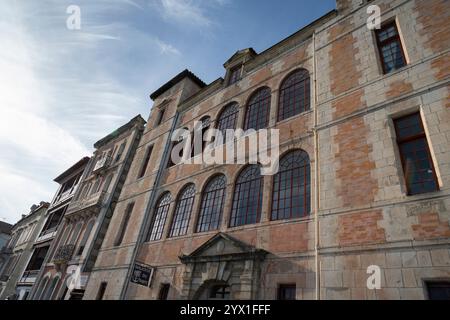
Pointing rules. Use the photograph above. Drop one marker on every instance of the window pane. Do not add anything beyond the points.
(294, 95)
(159, 219)
(258, 109)
(247, 199)
(212, 205)
(183, 211)
(291, 191)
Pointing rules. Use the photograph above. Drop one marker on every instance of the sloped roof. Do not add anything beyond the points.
(5, 228)
(172, 82)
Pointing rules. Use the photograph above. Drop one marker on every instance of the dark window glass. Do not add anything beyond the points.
(287, 292)
(37, 258)
(390, 48)
(164, 291)
(228, 118)
(86, 235)
(124, 224)
(294, 95)
(235, 75)
(160, 216)
(292, 187)
(247, 200)
(212, 205)
(258, 110)
(101, 291)
(183, 212)
(120, 152)
(53, 220)
(148, 154)
(438, 290)
(220, 292)
(417, 164)
(160, 117)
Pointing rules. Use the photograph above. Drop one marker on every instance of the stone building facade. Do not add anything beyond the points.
(364, 122)
(39, 263)
(20, 249)
(81, 232)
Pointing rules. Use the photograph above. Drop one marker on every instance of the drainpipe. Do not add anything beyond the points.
(149, 208)
(316, 174)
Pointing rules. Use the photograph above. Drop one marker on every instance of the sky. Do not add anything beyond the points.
(61, 89)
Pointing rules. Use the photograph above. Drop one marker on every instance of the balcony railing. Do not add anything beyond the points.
(92, 201)
(64, 254)
(29, 276)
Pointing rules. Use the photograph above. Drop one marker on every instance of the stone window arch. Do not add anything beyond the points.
(291, 196)
(295, 94)
(247, 199)
(160, 216)
(183, 210)
(258, 110)
(212, 204)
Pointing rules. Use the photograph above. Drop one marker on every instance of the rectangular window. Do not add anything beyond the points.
(101, 291)
(124, 225)
(415, 154)
(438, 290)
(37, 259)
(160, 117)
(287, 292)
(147, 157)
(164, 291)
(390, 48)
(235, 75)
(121, 150)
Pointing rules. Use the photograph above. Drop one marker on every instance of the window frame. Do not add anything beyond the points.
(236, 201)
(232, 79)
(182, 214)
(306, 167)
(281, 287)
(253, 103)
(156, 235)
(307, 94)
(400, 141)
(203, 209)
(381, 44)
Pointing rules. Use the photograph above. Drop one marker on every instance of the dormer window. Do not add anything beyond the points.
(235, 75)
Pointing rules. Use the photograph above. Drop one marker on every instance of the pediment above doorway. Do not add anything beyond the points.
(223, 247)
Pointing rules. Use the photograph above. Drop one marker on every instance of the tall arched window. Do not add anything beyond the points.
(294, 95)
(212, 205)
(228, 117)
(248, 195)
(160, 216)
(292, 187)
(258, 110)
(183, 211)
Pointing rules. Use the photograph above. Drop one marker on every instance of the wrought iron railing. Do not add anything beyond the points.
(64, 254)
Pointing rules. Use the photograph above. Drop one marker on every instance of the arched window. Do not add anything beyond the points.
(247, 201)
(292, 187)
(258, 110)
(212, 204)
(227, 118)
(183, 212)
(160, 216)
(294, 95)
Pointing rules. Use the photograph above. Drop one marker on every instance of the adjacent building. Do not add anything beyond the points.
(37, 265)
(18, 251)
(364, 180)
(86, 218)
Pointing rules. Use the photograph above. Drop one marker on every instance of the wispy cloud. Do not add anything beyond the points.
(62, 90)
(189, 12)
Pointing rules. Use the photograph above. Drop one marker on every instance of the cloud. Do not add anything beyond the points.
(187, 12)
